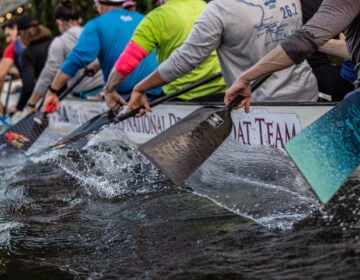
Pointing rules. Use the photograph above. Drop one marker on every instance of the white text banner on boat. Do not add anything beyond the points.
(265, 125)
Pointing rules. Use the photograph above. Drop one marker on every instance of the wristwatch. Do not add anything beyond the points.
(53, 90)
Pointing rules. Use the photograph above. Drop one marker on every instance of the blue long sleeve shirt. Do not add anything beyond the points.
(105, 37)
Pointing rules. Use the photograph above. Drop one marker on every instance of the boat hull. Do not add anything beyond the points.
(268, 124)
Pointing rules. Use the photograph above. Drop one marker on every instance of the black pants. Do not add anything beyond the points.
(330, 82)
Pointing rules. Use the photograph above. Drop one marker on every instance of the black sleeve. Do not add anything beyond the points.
(309, 8)
(28, 79)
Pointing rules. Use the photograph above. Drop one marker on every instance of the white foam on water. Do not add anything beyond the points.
(10, 163)
(10, 197)
(111, 168)
(47, 138)
(5, 232)
(260, 183)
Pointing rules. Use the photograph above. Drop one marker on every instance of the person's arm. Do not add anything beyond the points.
(84, 52)
(124, 66)
(274, 61)
(335, 47)
(329, 21)
(93, 68)
(33, 100)
(7, 61)
(138, 96)
(5, 66)
(143, 41)
(331, 47)
(51, 97)
(128, 60)
(203, 39)
(111, 96)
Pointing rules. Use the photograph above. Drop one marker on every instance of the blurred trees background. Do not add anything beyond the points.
(43, 11)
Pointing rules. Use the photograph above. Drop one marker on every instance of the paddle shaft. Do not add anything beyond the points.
(182, 148)
(168, 97)
(50, 108)
(89, 127)
(70, 89)
(8, 94)
(254, 86)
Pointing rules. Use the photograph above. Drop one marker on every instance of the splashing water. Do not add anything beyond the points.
(260, 183)
(110, 169)
(104, 212)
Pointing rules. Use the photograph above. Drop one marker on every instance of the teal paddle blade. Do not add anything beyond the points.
(328, 151)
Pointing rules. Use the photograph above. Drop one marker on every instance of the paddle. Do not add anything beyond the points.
(182, 148)
(327, 151)
(77, 137)
(5, 119)
(26, 131)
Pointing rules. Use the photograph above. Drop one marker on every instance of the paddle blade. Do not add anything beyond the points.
(77, 138)
(327, 151)
(25, 132)
(182, 148)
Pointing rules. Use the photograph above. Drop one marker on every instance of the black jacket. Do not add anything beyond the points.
(309, 8)
(32, 62)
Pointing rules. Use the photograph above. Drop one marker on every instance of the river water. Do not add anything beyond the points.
(105, 212)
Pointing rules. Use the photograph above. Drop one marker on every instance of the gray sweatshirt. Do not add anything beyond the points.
(58, 50)
(333, 17)
(242, 32)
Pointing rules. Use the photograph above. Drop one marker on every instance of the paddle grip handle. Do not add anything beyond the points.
(50, 108)
(68, 90)
(253, 87)
(40, 118)
(64, 93)
(10, 78)
(168, 97)
(126, 115)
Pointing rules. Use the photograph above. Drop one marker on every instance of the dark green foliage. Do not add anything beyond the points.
(43, 11)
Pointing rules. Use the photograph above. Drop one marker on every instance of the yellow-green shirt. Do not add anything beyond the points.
(165, 29)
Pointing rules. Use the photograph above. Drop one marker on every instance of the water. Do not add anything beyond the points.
(104, 212)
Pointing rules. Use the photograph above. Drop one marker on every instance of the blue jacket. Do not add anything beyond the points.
(105, 37)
